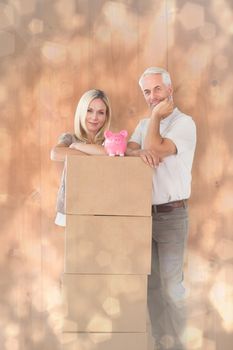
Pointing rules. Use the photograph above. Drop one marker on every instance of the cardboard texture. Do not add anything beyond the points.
(104, 303)
(103, 185)
(108, 244)
(104, 341)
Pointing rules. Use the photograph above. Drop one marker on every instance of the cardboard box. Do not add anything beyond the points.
(104, 341)
(103, 185)
(104, 303)
(108, 244)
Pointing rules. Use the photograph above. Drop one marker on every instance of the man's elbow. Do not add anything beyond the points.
(129, 151)
(132, 152)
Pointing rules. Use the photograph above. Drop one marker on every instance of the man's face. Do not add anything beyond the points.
(154, 89)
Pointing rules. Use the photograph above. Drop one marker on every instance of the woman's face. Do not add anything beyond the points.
(96, 116)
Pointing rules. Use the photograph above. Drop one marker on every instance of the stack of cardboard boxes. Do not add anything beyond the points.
(107, 253)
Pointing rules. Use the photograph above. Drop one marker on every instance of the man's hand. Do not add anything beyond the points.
(163, 109)
(150, 158)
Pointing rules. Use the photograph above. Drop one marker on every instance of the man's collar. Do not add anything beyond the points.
(170, 116)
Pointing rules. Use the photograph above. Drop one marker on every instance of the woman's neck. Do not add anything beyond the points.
(91, 138)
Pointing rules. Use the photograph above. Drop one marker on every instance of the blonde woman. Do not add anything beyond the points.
(92, 118)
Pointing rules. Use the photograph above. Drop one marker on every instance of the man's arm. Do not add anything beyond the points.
(154, 142)
(148, 156)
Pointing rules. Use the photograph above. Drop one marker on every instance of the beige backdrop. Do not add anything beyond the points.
(50, 53)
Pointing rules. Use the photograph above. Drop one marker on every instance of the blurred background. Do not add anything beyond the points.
(51, 51)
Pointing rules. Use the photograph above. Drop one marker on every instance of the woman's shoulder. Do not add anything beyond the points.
(67, 138)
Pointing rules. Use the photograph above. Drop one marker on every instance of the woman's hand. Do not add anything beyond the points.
(74, 145)
(88, 148)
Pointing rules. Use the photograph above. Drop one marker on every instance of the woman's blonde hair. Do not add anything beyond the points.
(80, 115)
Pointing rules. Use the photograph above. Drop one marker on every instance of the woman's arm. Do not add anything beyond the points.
(89, 148)
(61, 150)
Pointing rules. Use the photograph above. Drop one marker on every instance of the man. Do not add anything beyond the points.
(166, 141)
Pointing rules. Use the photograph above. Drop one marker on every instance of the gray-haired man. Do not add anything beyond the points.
(166, 141)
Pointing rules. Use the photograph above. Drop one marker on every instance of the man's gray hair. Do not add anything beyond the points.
(156, 70)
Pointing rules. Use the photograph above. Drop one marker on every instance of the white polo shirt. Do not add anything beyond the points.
(172, 178)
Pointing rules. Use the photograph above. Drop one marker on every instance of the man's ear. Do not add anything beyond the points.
(170, 90)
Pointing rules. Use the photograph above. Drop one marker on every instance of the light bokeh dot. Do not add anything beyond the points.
(221, 62)
(36, 26)
(208, 31)
(53, 52)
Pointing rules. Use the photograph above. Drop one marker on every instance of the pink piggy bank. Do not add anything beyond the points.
(115, 143)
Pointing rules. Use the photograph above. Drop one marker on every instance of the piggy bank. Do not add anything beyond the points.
(115, 143)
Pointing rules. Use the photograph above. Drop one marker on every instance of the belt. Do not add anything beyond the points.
(167, 207)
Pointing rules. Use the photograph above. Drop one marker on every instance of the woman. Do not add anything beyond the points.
(92, 118)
